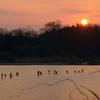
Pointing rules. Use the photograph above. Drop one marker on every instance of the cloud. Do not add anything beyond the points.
(18, 13)
(76, 11)
(23, 13)
(4, 12)
(96, 15)
(12, 12)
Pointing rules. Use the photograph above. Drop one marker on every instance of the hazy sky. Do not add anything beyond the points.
(35, 13)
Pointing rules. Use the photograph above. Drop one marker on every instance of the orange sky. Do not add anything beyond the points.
(35, 13)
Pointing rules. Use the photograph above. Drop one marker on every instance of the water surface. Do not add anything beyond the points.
(49, 82)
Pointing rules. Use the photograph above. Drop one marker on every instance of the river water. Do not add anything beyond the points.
(49, 82)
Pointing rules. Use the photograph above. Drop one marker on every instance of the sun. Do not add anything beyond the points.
(84, 22)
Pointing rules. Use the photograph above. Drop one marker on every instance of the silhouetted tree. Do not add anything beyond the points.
(51, 26)
(55, 43)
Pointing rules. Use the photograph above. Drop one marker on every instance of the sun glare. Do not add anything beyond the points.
(84, 22)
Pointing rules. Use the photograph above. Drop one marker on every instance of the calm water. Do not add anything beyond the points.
(49, 82)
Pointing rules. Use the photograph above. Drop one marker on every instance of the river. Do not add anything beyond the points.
(49, 82)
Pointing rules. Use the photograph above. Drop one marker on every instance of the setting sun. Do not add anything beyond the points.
(84, 22)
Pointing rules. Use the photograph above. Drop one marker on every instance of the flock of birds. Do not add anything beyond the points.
(55, 72)
(4, 75)
(39, 73)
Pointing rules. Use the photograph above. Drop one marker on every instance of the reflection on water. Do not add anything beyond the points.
(49, 82)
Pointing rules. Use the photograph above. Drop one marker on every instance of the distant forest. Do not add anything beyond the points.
(53, 43)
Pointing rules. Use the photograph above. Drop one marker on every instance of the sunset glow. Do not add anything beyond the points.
(84, 22)
(36, 13)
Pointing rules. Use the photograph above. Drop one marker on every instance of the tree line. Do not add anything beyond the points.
(53, 43)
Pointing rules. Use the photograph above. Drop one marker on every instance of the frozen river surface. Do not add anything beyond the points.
(49, 82)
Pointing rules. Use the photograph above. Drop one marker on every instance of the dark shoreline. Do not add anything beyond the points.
(44, 64)
(34, 64)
